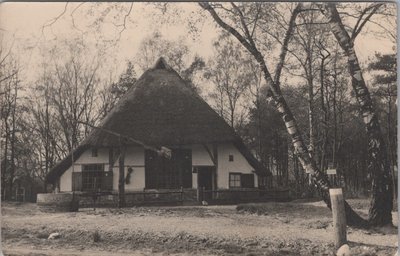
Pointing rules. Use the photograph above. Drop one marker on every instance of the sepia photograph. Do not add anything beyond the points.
(198, 128)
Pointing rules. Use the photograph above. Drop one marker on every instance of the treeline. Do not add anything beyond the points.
(42, 120)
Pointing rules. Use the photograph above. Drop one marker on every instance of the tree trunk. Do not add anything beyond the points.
(12, 142)
(4, 172)
(378, 164)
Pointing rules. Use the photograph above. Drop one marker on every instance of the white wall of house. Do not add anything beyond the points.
(200, 156)
(87, 158)
(137, 182)
(134, 158)
(66, 181)
(239, 165)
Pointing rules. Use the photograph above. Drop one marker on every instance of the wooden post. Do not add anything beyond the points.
(215, 183)
(121, 180)
(339, 216)
(182, 195)
(199, 193)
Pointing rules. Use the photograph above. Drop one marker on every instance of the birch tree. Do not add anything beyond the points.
(378, 163)
(246, 25)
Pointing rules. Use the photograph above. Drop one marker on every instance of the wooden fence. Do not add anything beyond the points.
(181, 196)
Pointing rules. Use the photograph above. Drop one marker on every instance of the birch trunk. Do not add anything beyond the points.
(378, 164)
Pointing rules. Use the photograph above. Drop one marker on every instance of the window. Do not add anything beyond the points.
(241, 180)
(234, 180)
(94, 152)
(92, 175)
(230, 158)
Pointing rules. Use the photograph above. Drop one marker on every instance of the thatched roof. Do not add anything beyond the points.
(159, 110)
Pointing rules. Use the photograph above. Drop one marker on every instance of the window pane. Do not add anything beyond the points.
(234, 180)
(92, 175)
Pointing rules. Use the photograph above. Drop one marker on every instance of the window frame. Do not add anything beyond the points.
(90, 174)
(233, 174)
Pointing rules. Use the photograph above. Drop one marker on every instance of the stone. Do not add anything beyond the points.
(344, 250)
(54, 236)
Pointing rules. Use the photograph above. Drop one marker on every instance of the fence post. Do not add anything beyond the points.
(182, 195)
(339, 216)
(198, 194)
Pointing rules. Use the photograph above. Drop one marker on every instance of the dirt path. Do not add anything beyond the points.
(286, 229)
(69, 252)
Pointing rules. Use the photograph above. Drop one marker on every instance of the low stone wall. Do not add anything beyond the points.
(147, 197)
(54, 201)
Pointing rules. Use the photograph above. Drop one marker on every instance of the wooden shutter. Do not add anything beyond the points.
(107, 181)
(77, 181)
(247, 180)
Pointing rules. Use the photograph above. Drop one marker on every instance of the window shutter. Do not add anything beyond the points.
(107, 181)
(77, 181)
(247, 180)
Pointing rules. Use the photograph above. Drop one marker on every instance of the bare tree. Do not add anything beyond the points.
(228, 71)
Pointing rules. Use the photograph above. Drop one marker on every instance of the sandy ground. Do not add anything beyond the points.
(297, 228)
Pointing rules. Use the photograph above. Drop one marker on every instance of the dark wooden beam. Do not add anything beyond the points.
(121, 180)
(215, 153)
(210, 154)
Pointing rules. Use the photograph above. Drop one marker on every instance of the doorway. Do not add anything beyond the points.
(205, 180)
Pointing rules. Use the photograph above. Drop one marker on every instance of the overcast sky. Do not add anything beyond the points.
(33, 25)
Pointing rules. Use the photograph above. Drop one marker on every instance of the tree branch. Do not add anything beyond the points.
(284, 49)
(54, 20)
(356, 30)
(123, 25)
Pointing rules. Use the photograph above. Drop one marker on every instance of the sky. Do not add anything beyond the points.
(22, 24)
(29, 27)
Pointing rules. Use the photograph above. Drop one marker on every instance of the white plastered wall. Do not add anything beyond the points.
(134, 158)
(239, 164)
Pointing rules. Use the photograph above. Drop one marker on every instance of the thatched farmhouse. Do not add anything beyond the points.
(160, 110)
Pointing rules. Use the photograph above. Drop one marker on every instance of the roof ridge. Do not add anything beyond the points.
(161, 63)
